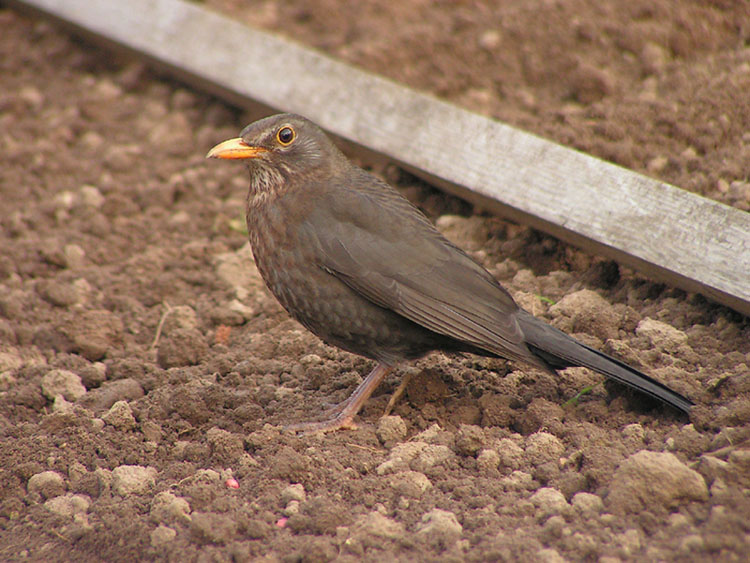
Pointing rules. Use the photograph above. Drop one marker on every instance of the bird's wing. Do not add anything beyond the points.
(384, 249)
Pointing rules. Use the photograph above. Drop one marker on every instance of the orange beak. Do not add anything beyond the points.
(235, 149)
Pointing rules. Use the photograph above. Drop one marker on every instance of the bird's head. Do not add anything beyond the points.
(282, 144)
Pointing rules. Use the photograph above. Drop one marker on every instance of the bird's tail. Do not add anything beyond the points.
(559, 351)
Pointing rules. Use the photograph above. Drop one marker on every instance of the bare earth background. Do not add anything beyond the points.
(117, 445)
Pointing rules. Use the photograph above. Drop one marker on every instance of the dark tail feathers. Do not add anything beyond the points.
(559, 350)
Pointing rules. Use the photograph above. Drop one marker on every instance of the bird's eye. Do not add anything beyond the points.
(286, 135)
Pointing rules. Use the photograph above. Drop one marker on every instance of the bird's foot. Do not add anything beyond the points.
(330, 425)
(346, 410)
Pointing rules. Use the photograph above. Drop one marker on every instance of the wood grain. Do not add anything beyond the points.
(666, 233)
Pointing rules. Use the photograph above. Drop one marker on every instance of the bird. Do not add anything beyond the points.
(365, 270)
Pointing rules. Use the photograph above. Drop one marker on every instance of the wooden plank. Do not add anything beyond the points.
(669, 234)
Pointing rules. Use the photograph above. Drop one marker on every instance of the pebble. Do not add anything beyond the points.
(68, 505)
(661, 335)
(511, 454)
(549, 501)
(133, 479)
(653, 479)
(587, 503)
(629, 542)
(120, 416)
(542, 447)
(295, 491)
(490, 39)
(410, 484)
(391, 429)
(47, 484)
(550, 555)
(91, 196)
(167, 508)
(469, 439)
(372, 528)
(400, 457)
(62, 382)
(517, 481)
(60, 405)
(238, 271)
(291, 508)
(182, 347)
(110, 392)
(10, 360)
(440, 528)
(488, 460)
(586, 311)
(94, 332)
(162, 535)
(470, 233)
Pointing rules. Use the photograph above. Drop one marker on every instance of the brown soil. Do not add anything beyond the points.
(145, 371)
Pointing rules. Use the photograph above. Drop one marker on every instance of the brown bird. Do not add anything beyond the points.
(363, 269)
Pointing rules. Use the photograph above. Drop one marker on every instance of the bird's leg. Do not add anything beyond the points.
(351, 406)
(400, 390)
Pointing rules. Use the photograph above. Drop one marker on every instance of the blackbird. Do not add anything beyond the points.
(362, 268)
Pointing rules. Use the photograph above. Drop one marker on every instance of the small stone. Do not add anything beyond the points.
(180, 316)
(48, 484)
(91, 196)
(549, 501)
(657, 164)
(291, 508)
(630, 542)
(120, 415)
(661, 335)
(93, 333)
(183, 347)
(167, 508)
(410, 484)
(68, 505)
(62, 382)
(511, 454)
(440, 528)
(373, 528)
(430, 456)
(400, 457)
(587, 503)
(238, 271)
(391, 429)
(490, 39)
(162, 535)
(58, 294)
(469, 439)
(518, 481)
(586, 311)
(31, 96)
(133, 479)
(487, 460)
(549, 555)
(60, 405)
(292, 492)
(469, 233)
(652, 479)
(542, 447)
(634, 431)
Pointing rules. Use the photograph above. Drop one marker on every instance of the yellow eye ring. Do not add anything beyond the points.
(286, 135)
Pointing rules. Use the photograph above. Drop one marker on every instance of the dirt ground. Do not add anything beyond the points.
(146, 374)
